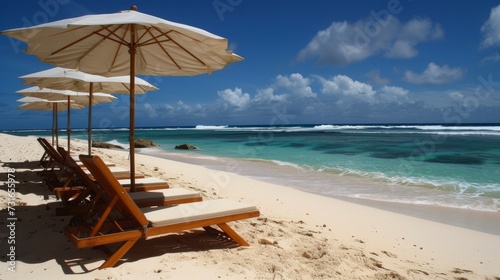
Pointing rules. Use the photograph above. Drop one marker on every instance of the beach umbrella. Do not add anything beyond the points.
(69, 79)
(80, 98)
(39, 104)
(126, 43)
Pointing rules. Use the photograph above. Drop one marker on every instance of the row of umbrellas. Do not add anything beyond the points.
(126, 43)
(71, 86)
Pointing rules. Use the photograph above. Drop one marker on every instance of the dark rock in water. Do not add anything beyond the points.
(186, 147)
(144, 143)
(98, 144)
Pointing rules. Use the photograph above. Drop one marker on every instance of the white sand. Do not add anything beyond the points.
(298, 235)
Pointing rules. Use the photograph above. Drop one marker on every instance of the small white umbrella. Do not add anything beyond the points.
(70, 79)
(39, 104)
(80, 98)
(127, 43)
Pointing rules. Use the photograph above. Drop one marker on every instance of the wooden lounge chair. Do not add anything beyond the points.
(103, 229)
(58, 162)
(142, 183)
(158, 193)
(50, 154)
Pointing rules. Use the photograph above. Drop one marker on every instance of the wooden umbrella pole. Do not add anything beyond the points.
(69, 125)
(53, 120)
(89, 130)
(132, 51)
(57, 126)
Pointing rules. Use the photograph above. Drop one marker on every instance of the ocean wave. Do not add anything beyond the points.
(210, 127)
(372, 129)
(118, 143)
(26, 130)
(289, 164)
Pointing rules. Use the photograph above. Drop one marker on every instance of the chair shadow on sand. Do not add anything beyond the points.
(40, 238)
(28, 177)
(183, 242)
(31, 165)
(39, 234)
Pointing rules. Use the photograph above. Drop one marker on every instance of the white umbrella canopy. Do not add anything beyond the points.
(127, 43)
(40, 104)
(71, 79)
(99, 44)
(80, 98)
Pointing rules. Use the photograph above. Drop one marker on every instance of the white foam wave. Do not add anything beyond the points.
(288, 164)
(118, 143)
(210, 127)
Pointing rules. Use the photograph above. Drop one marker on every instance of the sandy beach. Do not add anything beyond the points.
(297, 236)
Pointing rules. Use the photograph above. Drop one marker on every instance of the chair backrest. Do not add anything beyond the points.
(77, 169)
(51, 150)
(112, 187)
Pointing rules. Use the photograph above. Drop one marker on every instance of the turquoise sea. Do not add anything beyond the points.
(453, 166)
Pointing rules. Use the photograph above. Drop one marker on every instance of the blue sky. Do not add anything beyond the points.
(321, 62)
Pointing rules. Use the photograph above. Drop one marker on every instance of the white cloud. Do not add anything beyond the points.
(492, 58)
(343, 43)
(150, 110)
(292, 95)
(234, 97)
(182, 107)
(267, 95)
(434, 74)
(343, 85)
(402, 49)
(394, 94)
(491, 29)
(456, 95)
(297, 84)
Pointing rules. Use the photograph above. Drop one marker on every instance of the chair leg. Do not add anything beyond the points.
(231, 233)
(113, 259)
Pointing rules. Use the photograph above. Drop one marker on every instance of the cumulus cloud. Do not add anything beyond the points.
(235, 98)
(495, 57)
(456, 95)
(491, 29)
(344, 43)
(344, 85)
(267, 95)
(289, 96)
(150, 110)
(394, 94)
(434, 74)
(410, 34)
(350, 91)
(297, 84)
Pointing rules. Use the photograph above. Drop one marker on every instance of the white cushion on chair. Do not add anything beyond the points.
(195, 211)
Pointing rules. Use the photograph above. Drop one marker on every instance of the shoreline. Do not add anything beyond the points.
(375, 193)
(299, 235)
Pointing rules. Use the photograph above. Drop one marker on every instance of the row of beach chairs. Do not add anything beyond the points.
(105, 213)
